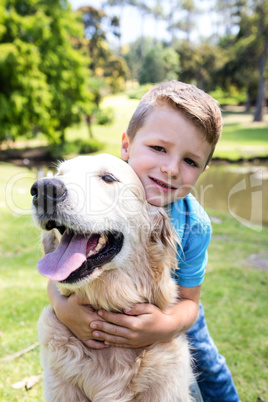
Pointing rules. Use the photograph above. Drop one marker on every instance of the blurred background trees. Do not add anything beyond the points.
(56, 64)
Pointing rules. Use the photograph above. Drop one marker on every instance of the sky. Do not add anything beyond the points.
(132, 27)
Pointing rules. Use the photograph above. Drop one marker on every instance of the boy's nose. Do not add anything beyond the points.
(171, 169)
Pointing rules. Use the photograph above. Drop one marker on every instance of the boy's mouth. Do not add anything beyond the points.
(162, 184)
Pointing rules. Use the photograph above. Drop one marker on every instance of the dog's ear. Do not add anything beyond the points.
(162, 229)
(162, 251)
(50, 241)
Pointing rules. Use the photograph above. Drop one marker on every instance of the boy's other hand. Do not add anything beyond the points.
(76, 315)
(142, 325)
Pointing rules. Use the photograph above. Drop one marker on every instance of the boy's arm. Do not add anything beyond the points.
(75, 315)
(146, 324)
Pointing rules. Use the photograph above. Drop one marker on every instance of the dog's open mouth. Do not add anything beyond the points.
(78, 255)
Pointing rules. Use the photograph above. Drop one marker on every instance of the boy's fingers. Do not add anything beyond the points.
(110, 339)
(107, 328)
(139, 309)
(115, 318)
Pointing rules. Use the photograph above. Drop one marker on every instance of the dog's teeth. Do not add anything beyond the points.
(102, 239)
(90, 253)
(98, 247)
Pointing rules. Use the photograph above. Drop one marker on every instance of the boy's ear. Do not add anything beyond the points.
(206, 168)
(125, 146)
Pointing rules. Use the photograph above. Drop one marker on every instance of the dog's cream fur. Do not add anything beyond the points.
(140, 273)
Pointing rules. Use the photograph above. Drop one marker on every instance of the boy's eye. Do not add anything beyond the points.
(190, 162)
(157, 148)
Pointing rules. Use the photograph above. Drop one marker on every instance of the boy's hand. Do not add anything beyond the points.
(141, 326)
(75, 315)
(78, 316)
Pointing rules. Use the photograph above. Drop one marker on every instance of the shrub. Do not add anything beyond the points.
(104, 116)
(138, 93)
(79, 146)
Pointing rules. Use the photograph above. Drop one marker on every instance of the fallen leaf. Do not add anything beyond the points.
(27, 382)
(32, 381)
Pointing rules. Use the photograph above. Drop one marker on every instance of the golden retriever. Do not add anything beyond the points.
(116, 250)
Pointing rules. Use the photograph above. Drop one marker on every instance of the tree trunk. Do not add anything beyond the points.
(261, 103)
(89, 120)
(62, 136)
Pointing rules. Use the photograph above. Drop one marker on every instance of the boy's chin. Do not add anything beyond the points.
(160, 201)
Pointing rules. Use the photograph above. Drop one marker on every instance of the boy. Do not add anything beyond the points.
(169, 143)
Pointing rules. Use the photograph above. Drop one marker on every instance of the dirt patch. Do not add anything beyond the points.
(259, 262)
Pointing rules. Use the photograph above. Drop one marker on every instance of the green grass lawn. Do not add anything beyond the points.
(242, 138)
(234, 294)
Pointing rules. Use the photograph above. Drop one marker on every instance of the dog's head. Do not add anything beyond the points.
(98, 205)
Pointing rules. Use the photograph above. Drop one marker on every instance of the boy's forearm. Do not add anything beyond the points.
(184, 314)
(186, 311)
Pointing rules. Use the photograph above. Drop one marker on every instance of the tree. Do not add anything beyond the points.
(184, 23)
(252, 38)
(46, 88)
(160, 63)
(261, 15)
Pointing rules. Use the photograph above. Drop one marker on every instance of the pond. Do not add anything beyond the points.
(239, 190)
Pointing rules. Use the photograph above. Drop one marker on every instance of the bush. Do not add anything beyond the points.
(104, 116)
(231, 97)
(57, 151)
(138, 93)
(89, 146)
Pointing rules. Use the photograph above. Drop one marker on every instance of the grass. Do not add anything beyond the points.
(242, 138)
(23, 290)
(234, 293)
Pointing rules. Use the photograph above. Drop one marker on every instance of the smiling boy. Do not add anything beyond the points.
(169, 143)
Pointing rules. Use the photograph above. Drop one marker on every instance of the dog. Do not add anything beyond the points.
(103, 241)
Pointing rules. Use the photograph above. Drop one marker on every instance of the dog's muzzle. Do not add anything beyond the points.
(47, 193)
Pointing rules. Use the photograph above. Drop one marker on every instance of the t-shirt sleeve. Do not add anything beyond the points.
(192, 259)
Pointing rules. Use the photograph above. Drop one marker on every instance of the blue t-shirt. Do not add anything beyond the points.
(193, 228)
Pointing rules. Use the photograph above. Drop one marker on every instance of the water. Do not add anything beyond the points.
(239, 190)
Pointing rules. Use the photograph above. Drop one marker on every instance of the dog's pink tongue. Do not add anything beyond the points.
(69, 255)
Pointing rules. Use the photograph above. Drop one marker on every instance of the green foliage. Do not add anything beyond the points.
(231, 97)
(104, 63)
(199, 63)
(25, 99)
(104, 116)
(138, 92)
(160, 63)
(43, 84)
(76, 147)
(89, 146)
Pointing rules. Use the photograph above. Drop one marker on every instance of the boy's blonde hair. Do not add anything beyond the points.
(199, 107)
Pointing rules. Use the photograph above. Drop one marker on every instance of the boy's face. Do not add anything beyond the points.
(168, 154)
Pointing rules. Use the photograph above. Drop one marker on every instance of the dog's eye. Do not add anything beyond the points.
(108, 178)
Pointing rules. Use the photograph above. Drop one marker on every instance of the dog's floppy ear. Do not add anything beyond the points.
(162, 229)
(162, 251)
(50, 241)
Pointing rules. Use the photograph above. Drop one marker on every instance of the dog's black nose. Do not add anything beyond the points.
(47, 193)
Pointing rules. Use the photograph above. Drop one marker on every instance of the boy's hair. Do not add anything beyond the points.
(199, 107)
